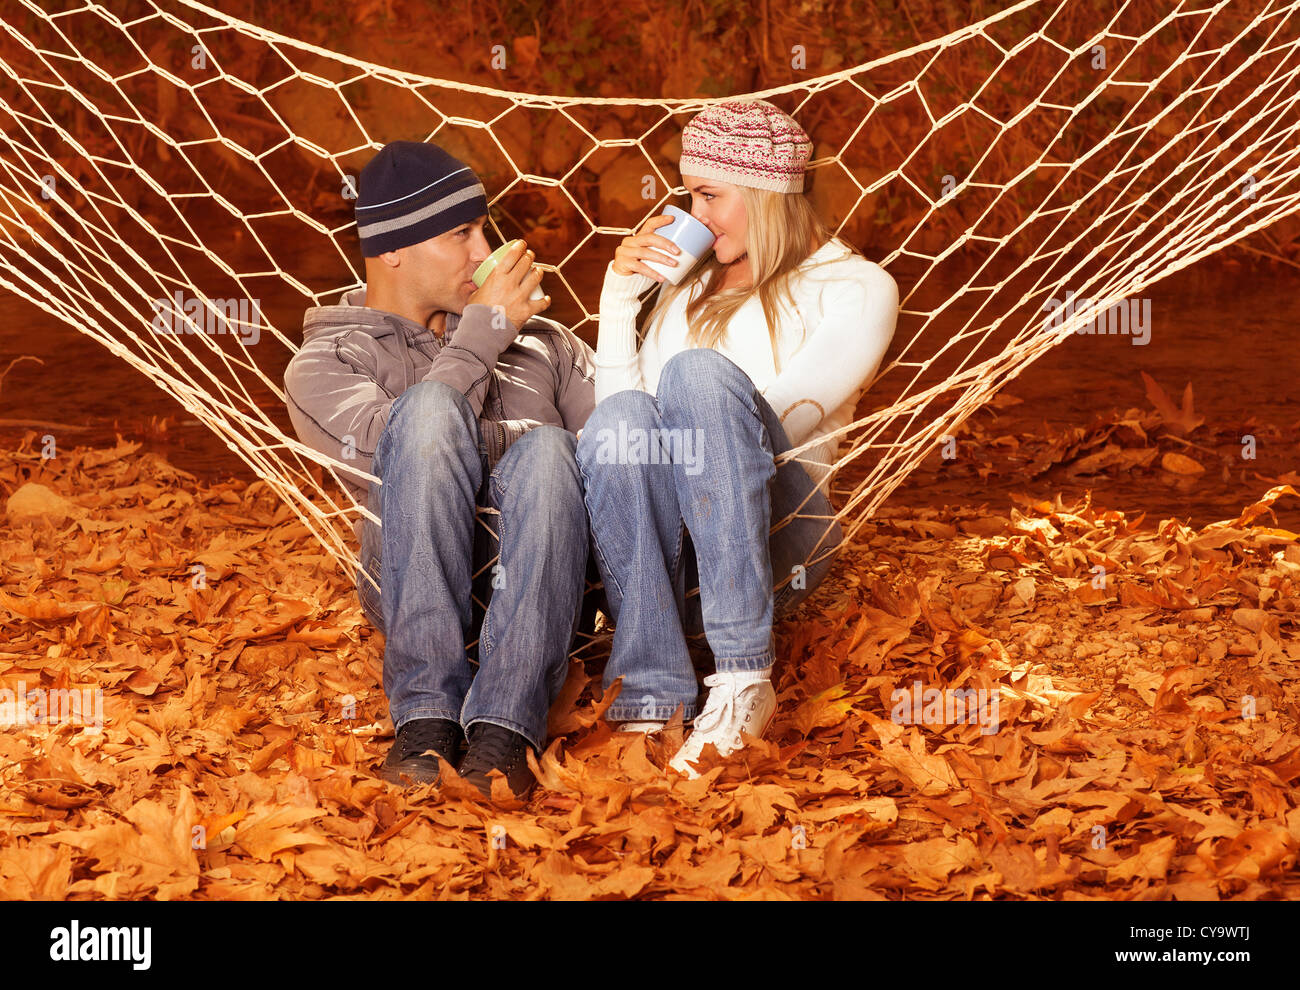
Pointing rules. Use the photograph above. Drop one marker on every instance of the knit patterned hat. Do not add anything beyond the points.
(746, 143)
(411, 191)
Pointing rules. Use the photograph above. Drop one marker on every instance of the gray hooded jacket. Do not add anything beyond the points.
(355, 361)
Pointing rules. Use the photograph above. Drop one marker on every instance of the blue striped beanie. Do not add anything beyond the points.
(411, 191)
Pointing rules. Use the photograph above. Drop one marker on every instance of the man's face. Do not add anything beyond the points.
(442, 266)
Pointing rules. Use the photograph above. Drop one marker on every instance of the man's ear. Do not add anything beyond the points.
(392, 258)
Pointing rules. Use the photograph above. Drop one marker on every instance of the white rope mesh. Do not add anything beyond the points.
(183, 161)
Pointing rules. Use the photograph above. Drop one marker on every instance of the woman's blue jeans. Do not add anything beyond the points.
(687, 477)
(434, 549)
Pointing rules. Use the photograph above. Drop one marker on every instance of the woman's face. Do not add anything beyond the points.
(719, 207)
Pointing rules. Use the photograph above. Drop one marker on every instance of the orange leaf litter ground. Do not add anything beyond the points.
(1145, 743)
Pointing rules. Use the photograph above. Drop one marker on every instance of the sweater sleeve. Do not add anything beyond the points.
(336, 407)
(466, 364)
(617, 363)
(841, 354)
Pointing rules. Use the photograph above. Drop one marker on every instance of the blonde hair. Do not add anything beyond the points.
(784, 229)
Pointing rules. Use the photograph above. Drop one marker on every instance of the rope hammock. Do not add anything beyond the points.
(200, 157)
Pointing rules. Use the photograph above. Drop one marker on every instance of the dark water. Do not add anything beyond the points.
(1231, 332)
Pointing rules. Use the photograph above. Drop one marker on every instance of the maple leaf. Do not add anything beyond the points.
(758, 804)
(934, 860)
(1254, 853)
(1150, 862)
(824, 709)
(35, 871)
(151, 849)
(266, 835)
(1179, 421)
(929, 773)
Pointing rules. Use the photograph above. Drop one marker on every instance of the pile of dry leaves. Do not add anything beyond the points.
(1144, 746)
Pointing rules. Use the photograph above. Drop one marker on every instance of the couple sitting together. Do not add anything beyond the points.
(658, 461)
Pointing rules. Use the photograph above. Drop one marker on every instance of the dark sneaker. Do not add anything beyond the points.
(494, 747)
(410, 760)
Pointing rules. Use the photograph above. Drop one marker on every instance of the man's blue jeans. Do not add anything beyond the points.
(430, 544)
(708, 497)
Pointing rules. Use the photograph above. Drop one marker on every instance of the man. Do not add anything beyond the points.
(457, 398)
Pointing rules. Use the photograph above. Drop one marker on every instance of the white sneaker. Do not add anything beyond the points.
(741, 700)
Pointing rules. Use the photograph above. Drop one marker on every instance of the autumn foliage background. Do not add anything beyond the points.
(1125, 766)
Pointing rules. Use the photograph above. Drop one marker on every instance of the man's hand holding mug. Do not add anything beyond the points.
(512, 284)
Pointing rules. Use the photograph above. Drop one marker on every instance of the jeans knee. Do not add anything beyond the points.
(436, 404)
(546, 457)
(544, 451)
(689, 373)
(432, 415)
(629, 409)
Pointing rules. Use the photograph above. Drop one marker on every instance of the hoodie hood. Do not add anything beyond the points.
(352, 312)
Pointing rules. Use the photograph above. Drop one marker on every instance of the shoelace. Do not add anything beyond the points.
(720, 706)
(424, 736)
(496, 747)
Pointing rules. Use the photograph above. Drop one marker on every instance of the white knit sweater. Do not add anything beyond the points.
(830, 346)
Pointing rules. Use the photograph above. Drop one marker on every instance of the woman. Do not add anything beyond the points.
(766, 344)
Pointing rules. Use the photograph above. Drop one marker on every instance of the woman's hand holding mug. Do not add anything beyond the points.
(669, 256)
(636, 249)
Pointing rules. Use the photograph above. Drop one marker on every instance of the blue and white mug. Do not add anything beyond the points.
(689, 234)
